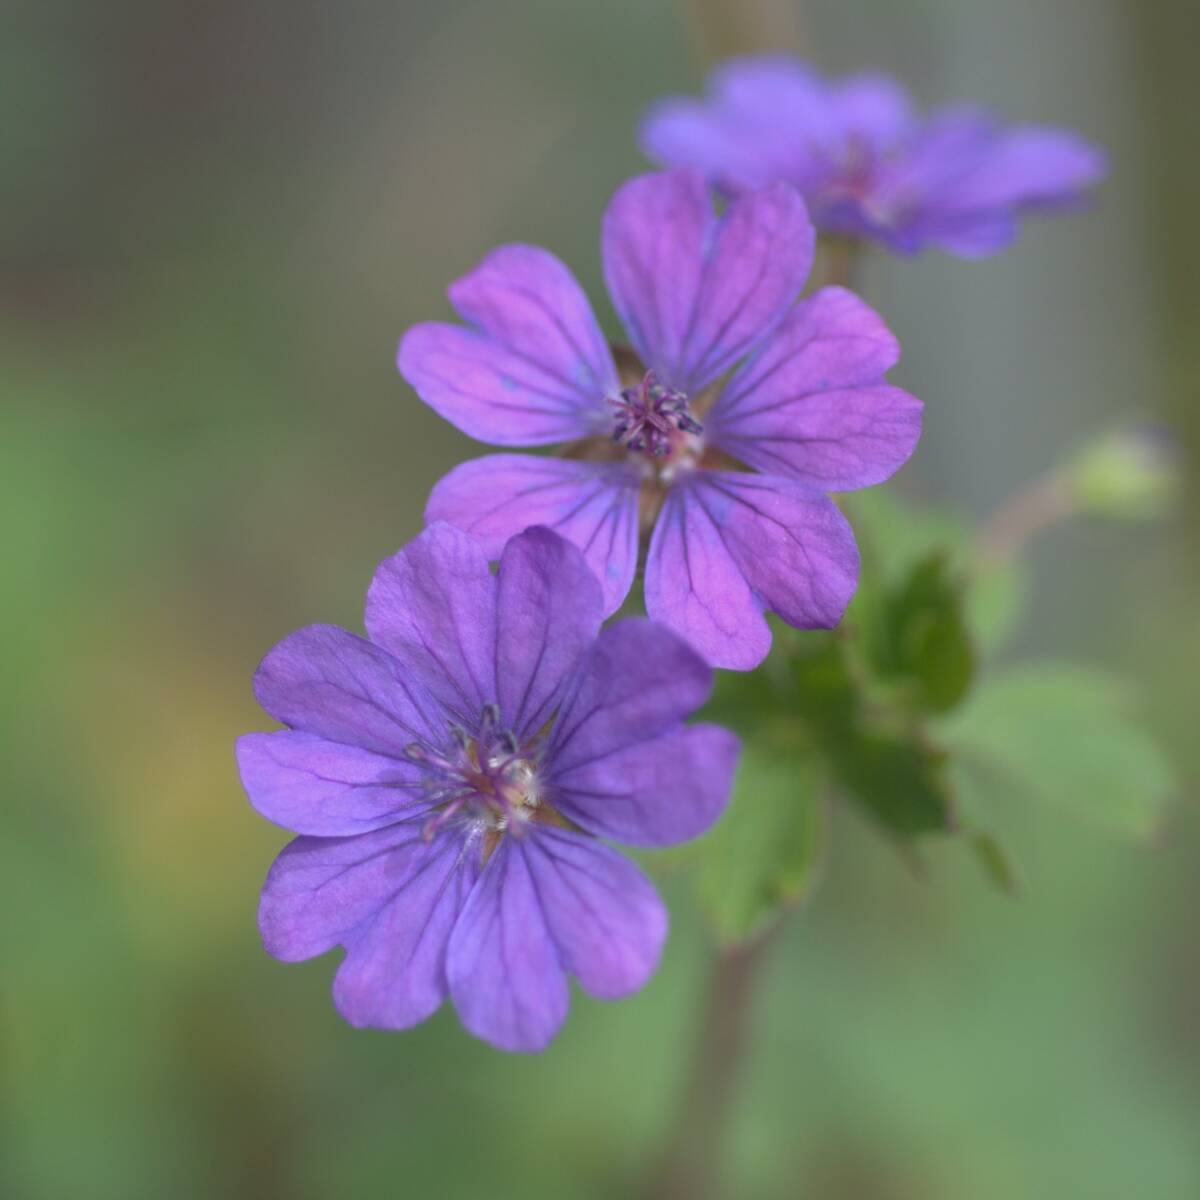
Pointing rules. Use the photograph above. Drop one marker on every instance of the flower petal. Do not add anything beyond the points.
(505, 976)
(969, 235)
(831, 441)
(729, 545)
(696, 292)
(683, 132)
(604, 915)
(313, 786)
(654, 793)
(527, 300)
(320, 889)
(433, 606)
(772, 87)
(866, 163)
(535, 368)
(830, 339)
(696, 587)
(592, 505)
(873, 110)
(796, 548)
(548, 612)
(325, 681)
(812, 403)
(638, 681)
(394, 973)
(733, 135)
(1028, 168)
(965, 179)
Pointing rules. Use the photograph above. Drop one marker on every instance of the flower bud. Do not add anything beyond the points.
(1129, 474)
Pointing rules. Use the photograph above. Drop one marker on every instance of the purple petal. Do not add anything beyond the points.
(873, 110)
(505, 976)
(696, 293)
(964, 180)
(760, 257)
(656, 229)
(592, 505)
(950, 143)
(732, 136)
(638, 681)
(313, 786)
(490, 393)
(767, 85)
(320, 889)
(812, 404)
(867, 165)
(1029, 168)
(796, 548)
(910, 202)
(830, 339)
(969, 235)
(682, 132)
(654, 793)
(394, 973)
(548, 612)
(604, 915)
(528, 301)
(728, 545)
(433, 605)
(695, 585)
(325, 681)
(833, 441)
(534, 369)
(758, 95)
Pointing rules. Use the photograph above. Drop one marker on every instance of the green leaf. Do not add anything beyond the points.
(1062, 734)
(768, 848)
(920, 636)
(895, 536)
(899, 780)
(995, 862)
(750, 701)
(996, 598)
(884, 763)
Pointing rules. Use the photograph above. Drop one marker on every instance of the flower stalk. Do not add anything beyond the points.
(690, 1165)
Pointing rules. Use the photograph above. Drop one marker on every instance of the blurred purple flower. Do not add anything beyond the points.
(866, 163)
(658, 444)
(449, 779)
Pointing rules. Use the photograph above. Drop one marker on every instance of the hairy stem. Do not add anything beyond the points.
(690, 1166)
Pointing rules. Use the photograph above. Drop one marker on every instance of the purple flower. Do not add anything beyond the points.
(661, 443)
(867, 164)
(450, 776)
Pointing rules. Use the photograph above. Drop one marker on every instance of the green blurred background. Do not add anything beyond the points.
(217, 220)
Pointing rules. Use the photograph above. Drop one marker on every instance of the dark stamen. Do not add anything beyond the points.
(649, 416)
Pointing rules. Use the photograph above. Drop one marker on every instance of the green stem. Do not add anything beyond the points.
(690, 1166)
(840, 259)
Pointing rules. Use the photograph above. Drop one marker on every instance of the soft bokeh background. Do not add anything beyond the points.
(217, 220)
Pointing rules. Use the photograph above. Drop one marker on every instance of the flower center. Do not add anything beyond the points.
(486, 779)
(652, 418)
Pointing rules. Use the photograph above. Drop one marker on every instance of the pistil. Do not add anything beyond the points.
(487, 778)
(650, 417)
